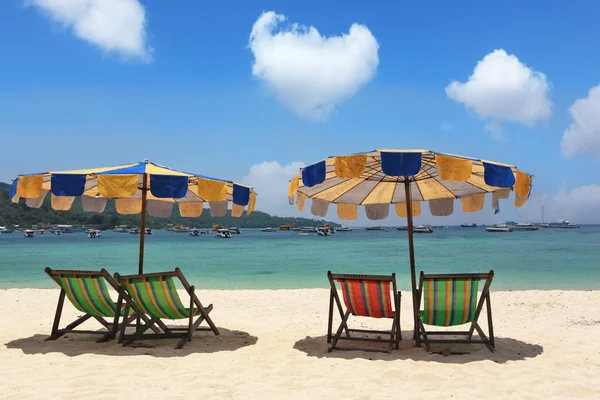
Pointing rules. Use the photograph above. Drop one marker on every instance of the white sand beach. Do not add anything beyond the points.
(273, 346)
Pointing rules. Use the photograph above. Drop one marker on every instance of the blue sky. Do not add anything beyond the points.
(186, 95)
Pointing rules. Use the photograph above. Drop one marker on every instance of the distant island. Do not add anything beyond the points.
(19, 214)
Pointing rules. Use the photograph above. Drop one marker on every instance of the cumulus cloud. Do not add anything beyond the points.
(117, 26)
(584, 133)
(308, 72)
(504, 89)
(270, 181)
(579, 205)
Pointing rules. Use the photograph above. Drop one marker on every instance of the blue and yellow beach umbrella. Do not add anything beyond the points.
(142, 187)
(404, 179)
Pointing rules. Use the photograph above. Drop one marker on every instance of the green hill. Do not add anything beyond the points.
(19, 214)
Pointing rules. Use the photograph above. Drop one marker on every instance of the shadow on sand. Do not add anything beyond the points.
(77, 344)
(506, 350)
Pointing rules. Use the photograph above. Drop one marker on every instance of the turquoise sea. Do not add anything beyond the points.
(544, 259)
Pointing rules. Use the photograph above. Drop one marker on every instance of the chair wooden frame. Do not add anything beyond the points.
(424, 336)
(395, 334)
(161, 330)
(111, 327)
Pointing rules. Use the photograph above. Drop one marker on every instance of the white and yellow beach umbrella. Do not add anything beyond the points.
(142, 187)
(378, 179)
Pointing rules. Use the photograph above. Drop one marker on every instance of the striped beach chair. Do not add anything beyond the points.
(155, 296)
(364, 296)
(451, 300)
(87, 292)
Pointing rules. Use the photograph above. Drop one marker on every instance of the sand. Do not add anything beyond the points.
(273, 346)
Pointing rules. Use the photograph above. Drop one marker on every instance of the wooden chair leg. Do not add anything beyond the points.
(125, 323)
(421, 329)
(490, 322)
(397, 321)
(57, 315)
(204, 311)
(343, 326)
(330, 319)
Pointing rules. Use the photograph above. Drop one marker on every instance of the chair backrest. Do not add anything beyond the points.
(366, 295)
(155, 294)
(86, 290)
(451, 299)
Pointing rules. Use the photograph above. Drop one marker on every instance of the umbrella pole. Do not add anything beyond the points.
(143, 223)
(411, 252)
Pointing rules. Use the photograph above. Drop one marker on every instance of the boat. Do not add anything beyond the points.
(402, 228)
(344, 229)
(147, 231)
(268, 229)
(560, 223)
(302, 233)
(134, 231)
(423, 229)
(499, 228)
(93, 233)
(194, 232)
(523, 227)
(216, 228)
(120, 229)
(29, 233)
(323, 232)
(179, 229)
(223, 234)
(4, 230)
(286, 227)
(328, 228)
(468, 225)
(58, 232)
(375, 228)
(64, 228)
(234, 230)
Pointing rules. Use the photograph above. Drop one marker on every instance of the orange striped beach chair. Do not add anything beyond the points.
(451, 300)
(364, 296)
(88, 293)
(155, 297)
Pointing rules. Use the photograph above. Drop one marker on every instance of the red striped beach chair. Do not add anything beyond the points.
(451, 300)
(155, 296)
(87, 292)
(364, 296)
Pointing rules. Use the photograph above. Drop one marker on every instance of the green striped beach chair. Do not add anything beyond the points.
(451, 300)
(87, 292)
(155, 296)
(364, 296)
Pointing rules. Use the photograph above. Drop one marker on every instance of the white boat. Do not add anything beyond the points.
(29, 233)
(134, 231)
(94, 233)
(147, 231)
(58, 232)
(120, 229)
(524, 227)
(560, 223)
(323, 232)
(499, 228)
(302, 233)
(3, 230)
(268, 229)
(223, 234)
(194, 232)
(344, 229)
(234, 231)
(423, 229)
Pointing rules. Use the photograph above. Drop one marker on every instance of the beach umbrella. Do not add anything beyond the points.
(138, 188)
(405, 179)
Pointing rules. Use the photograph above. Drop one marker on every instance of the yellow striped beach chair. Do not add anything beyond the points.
(364, 296)
(155, 295)
(451, 300)
(87, 292)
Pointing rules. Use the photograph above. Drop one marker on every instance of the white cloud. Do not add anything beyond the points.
(503, 88)
(270, 181)
(494, 128)
(309, 72)
(579, 205)
(117, 26)
(584, 133)
(446, 126)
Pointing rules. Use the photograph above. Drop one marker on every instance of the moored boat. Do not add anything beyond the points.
(286, 227)
(268, 229)
(423, 229)
(216, 228)
(234, 231)
(29, 233)
(468, 225)
(524, 227)
(134, 231)
(120, 229)
(4, 230)
(374, 228)
(148, 231)
(223, 234)
(499, 228)
(344, 229)
(93, 233)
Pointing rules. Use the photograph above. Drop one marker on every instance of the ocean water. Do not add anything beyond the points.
(544, 259)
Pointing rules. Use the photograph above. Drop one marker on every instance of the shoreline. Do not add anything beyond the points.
(272, 345)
